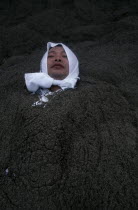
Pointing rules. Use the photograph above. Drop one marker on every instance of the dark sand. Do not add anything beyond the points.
(79, 152)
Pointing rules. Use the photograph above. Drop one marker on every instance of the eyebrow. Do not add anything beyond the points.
(53, 51)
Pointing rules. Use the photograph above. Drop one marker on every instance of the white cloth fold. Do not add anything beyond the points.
(34, 81)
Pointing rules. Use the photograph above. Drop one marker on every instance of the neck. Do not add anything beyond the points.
(54, 88)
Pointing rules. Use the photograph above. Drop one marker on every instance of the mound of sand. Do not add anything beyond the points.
(76, 152)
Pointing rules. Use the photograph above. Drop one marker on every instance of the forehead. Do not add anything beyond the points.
(57, 49)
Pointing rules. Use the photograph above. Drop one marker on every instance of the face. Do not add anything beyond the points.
(57, 63)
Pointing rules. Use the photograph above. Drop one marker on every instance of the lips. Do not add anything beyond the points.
(58, 66)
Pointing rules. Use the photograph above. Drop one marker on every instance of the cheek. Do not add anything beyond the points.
(67, 66)
(48, 65)
(49, 62)
(67, 63)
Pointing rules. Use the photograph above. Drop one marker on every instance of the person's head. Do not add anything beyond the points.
(59, 69)
(57, 63)
(60, 63)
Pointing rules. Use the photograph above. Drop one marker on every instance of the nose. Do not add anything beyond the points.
(58, 58)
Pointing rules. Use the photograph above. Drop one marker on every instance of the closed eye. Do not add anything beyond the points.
(64, 56)
(50, 56)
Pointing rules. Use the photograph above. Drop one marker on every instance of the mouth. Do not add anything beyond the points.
(57, 66)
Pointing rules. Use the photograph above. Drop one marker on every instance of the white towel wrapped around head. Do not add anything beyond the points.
(34, 81)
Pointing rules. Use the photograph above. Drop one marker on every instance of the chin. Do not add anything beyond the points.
(58, 76)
